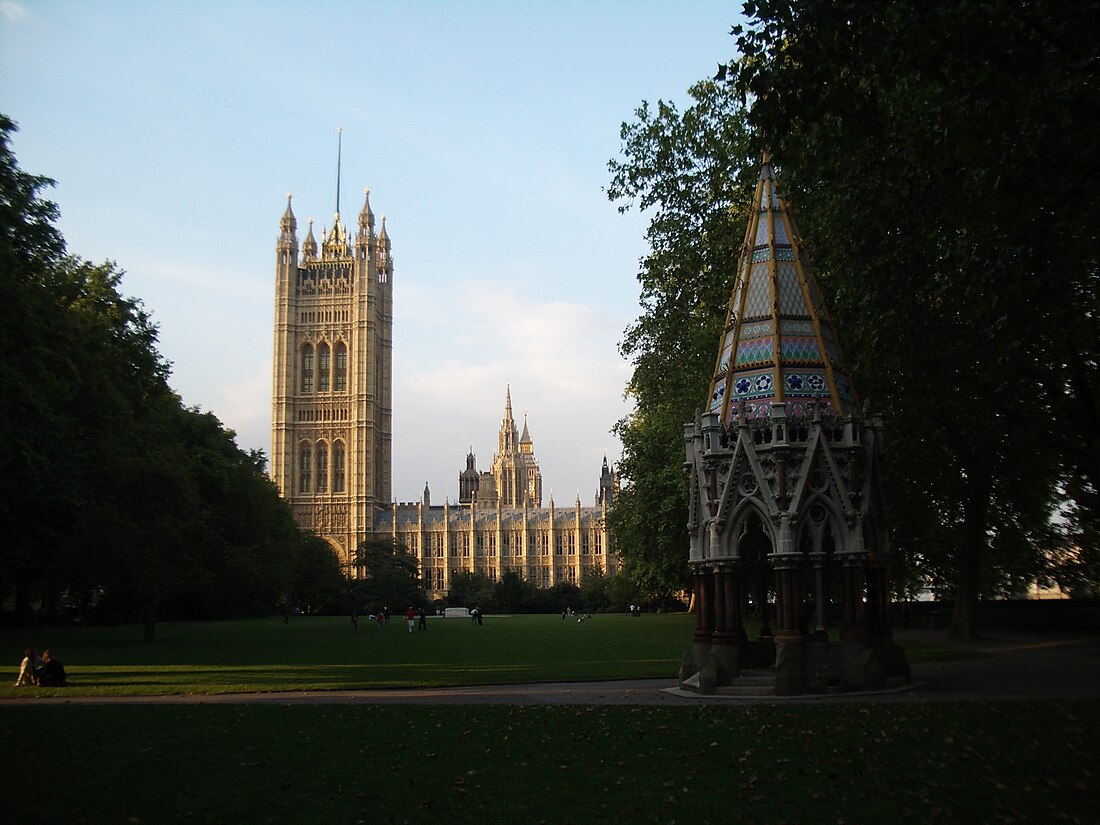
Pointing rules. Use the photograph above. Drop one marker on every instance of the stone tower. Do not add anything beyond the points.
(331, 398)
(515, 468)
(786, 512)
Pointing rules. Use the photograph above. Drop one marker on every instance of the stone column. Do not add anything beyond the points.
(818, 560)
(729, 631)
(704, 615)
(859, 670)
(789, 679)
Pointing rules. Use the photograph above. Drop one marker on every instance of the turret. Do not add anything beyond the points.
(336, 245)
(468, 480)
(365, 238)
(309, 246)
(507, 439)
(606, 493)
(526, 445)
(384, 262)
(288, 230)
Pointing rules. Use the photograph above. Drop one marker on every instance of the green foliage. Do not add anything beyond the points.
(469, 589)
(387, 577)
(917, 140)
(512, 592)
(694, 171)
(114, 495)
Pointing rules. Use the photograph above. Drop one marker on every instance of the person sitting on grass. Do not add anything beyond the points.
(28, 668)
(52, 673)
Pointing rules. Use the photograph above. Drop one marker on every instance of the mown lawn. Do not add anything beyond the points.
(849, 763)
(322, 653)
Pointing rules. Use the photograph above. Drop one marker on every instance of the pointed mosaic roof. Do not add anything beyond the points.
(779, 344)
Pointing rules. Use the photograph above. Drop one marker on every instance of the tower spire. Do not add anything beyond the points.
(779, 346)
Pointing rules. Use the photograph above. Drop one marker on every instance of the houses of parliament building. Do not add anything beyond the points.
(332, 432)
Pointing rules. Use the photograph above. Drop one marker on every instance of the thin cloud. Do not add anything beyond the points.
(11, 11)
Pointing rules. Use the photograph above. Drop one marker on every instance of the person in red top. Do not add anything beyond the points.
(410, 617)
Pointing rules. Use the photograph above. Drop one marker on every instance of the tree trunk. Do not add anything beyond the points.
(974, 538)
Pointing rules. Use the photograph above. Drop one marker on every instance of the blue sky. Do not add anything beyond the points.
(483, 129)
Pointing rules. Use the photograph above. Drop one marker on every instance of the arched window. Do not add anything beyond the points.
(307, 368)
(305, 468)
(338, 466)
(322, 368)
(341, 383)
(322, 467)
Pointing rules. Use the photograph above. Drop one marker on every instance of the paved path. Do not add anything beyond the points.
(1012, 666)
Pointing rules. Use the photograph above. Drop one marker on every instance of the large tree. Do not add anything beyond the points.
(942, 158)
(693, 171)
(110, 489)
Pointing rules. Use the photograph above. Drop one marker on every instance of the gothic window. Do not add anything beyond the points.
(341, 381)
(338, 466)
(322, 467)
(305, 468)
(307, 368)
(322, 368)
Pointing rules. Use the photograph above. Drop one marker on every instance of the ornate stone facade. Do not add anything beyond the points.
(500, 525)
(331, 397)
(786, 486)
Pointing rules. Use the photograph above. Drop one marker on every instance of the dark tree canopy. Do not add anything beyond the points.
(943, 167)
(941, 157)
(115, 498)
(692, 171)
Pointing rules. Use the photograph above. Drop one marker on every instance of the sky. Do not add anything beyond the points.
(483, 130)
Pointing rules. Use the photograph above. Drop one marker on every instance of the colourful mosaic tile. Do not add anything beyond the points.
(759, 350)
(799, 349)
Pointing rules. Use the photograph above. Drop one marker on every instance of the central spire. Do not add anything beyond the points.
(779, 346)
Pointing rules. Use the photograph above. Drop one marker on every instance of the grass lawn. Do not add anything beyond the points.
(922, 762)
(322, 653)
(850, 763)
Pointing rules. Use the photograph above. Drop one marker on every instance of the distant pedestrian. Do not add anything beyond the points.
(423, 614)
(379, 620)
(564, 613)
(410, 617)
(477, 611)
(354, 621)
(473, 615)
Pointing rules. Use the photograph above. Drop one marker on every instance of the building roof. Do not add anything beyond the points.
(779, 345)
